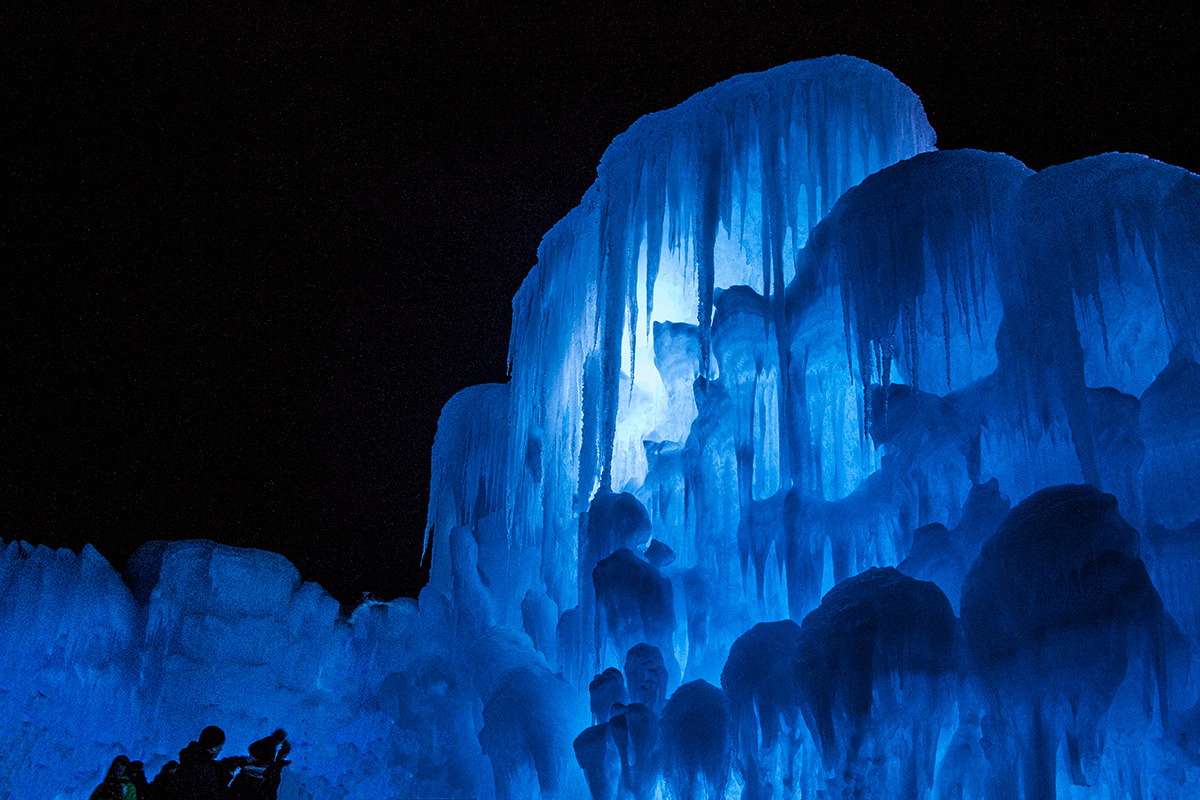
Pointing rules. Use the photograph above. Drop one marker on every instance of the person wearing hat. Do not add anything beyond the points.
(259, 780)
(200, 775)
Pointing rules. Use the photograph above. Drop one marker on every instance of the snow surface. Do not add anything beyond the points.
(829, 465)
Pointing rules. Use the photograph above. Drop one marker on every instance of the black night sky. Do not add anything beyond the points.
(249, 252)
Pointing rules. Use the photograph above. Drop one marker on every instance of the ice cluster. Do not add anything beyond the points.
(830, 465)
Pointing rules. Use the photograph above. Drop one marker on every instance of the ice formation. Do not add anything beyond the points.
(830, 465)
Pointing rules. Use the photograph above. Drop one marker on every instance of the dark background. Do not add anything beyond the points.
(248, 254)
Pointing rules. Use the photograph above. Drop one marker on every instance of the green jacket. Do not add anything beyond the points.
(117, 789)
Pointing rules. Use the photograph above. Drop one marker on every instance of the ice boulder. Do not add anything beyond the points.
(1059, 613)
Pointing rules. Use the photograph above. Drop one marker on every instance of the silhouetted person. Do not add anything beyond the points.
(259, 780)
(163, 786)
(137, 776)
(200, 775)
(116, 785)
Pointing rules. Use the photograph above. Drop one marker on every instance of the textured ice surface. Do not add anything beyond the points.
(790, 391)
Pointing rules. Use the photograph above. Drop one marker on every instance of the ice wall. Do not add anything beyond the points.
(199, 633)
(829, 465)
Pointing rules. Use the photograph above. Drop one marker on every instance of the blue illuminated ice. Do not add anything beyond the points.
(829, 465)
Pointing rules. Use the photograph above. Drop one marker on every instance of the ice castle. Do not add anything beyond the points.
(830, 465)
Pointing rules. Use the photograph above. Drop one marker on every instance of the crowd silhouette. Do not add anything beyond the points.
(200, 773)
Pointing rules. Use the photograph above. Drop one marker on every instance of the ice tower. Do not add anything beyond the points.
(790, 391)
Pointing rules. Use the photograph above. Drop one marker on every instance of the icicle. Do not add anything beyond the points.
(1177, 271)
(1068, 222)
(706, 235)
(903, 227)
(654, 211)
(469, 459)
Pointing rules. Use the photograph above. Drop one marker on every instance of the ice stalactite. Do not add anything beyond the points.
(1057, 610)
(759, 682)
(1085, 250)
(1178, 252)
(468, 473)
(635, 603)
(1170, 427)
(697, 742)
(877, 667)
(913, 248)
(430, 709)
(600, 761)
(528, 727)
(943, 556)
(739, 173)
(613, 523)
